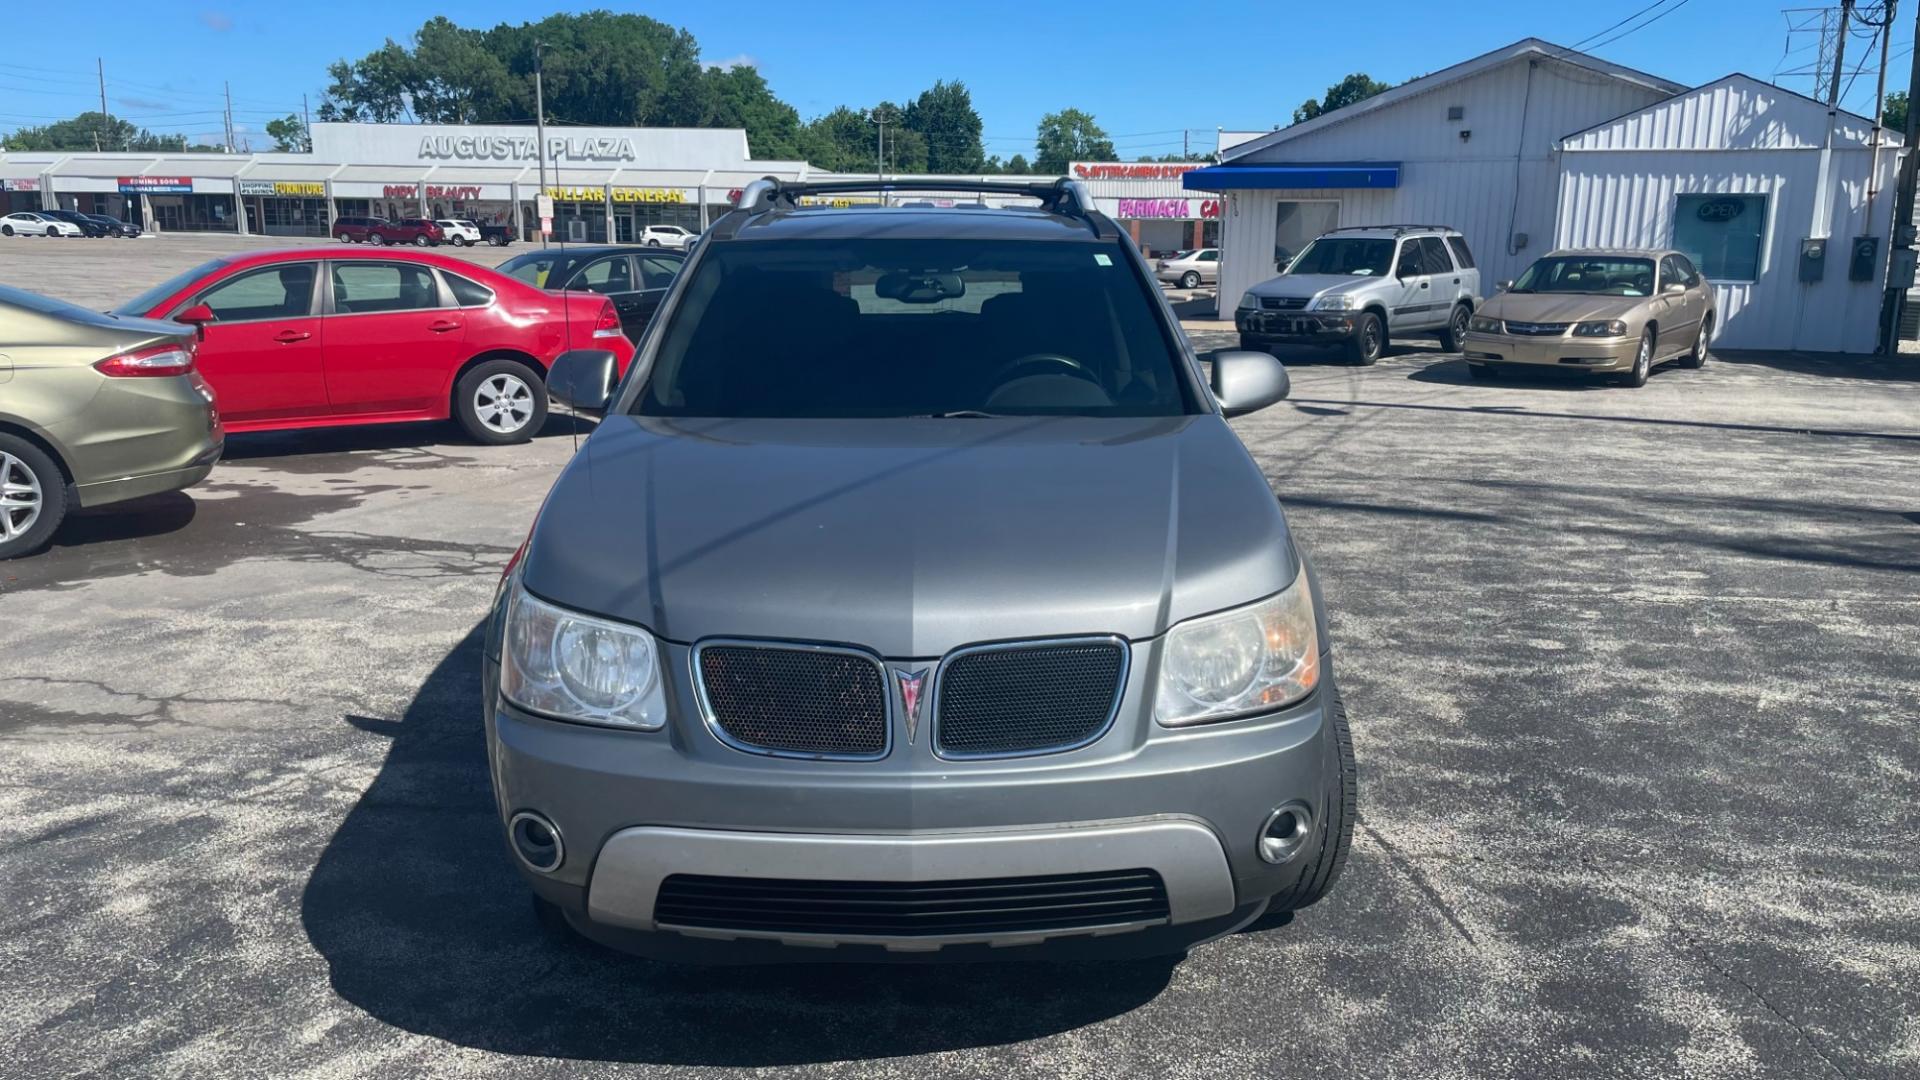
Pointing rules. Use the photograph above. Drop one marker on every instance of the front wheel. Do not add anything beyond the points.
(53, 232)
(1369, 340)
(1336, 818)
(497, 240)
(500, 402)
(6, 230)
(1642, 362)
(33, 497)
(1189, 280)
(1455, 334)
(343, 238)
(1698, 357)
(423, 240)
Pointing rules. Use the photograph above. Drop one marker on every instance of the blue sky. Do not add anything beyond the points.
(1146, 71)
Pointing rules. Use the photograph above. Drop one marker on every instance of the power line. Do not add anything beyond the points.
(1636, 29)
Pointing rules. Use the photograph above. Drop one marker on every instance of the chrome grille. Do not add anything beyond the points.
(1537, 329)
(1000, 700)
(1283, 303)
(815, 702)
(984, 907)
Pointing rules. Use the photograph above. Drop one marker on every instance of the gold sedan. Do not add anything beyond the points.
(1617, 312)
(94, 409)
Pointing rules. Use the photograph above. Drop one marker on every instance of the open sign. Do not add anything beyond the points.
(1718, 210)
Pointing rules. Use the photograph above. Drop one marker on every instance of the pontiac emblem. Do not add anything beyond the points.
(911, 683)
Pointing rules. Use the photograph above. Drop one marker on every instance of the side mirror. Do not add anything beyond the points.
(197, 316)
(1675, 288)
(582, 379)
(1245, 382)
(1503, 286)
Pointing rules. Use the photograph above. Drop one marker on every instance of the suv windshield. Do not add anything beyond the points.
(1602, 276)
(881, 327)
(143, 303)
(1353, 256)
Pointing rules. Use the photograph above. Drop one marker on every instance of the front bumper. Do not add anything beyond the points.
(635, 808)
(1564, 351)
(1293, 327)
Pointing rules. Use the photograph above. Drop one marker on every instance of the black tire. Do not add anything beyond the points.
(1483, 372)
(1190, 280)
(376, 239)
(527, 413)
(1369, 340)
(6, 230)
(1454, 335)
(423, 240)
(53, 232)
(24, 465)
(1336, 823)
(343, 238)
(1251, 346)
(653, 243)
(497, 240)
(1642, 362)
(1698, 357)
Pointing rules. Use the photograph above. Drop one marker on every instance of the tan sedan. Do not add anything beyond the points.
(94, 409)
(1616, 312)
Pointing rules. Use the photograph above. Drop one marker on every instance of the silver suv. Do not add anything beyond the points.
(1359, 288)
(914, 599)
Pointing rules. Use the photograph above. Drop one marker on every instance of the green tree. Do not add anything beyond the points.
(943, 116)
(1066, 136)
(1894, 113)
(91, 129)
(1355, 87)
(288, 133)
(1017, 165)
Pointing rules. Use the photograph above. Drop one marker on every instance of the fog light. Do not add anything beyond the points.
(1285, 832)
(537, 841)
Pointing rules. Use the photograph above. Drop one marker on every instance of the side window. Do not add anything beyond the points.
(1433, 254)
(608, 275)
(278, 292)
(658, 271)
(363, 287)
(467, 292)
(1209, 256)
(1461, 254)
(1687, 272)
(1670, 273)
(1410, 264)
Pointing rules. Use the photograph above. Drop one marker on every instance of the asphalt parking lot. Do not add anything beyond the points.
(1634, 690)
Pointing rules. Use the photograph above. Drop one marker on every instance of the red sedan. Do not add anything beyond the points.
(304, 338)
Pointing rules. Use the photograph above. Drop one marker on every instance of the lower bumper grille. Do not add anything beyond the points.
(1027, 699)
(790, 700)
(985, 907)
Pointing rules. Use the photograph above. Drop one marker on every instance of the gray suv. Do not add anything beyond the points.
(914, 599)
(1359, 288)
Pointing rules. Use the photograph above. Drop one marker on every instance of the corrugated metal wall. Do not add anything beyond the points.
(1734, 113)
(1627, 198)
(1475, 185)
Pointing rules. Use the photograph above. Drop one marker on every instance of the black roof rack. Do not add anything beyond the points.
(1062, 196)
(1397, 229)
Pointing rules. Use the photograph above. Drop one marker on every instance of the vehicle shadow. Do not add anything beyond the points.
(300, 442)
(1452, 371)
(135, 519)
(426, 926)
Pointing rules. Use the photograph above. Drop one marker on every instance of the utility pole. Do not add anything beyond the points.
(540, 131)
(306, 123)
(100, 140)
(1901, 242)
(1839, 57)
(879, 118)
(227, 88)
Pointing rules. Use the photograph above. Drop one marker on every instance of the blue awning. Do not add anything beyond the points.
(1376, 174)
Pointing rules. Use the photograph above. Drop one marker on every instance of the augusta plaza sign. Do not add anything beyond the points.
(521, 148)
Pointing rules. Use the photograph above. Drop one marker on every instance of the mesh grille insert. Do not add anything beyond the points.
(802, 701)
(1027, 698)
(912, 909)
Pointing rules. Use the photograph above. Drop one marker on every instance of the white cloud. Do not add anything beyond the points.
(742, 60)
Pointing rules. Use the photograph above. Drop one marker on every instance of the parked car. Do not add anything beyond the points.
(635, 279)
(98, 409)
(1191, 269)
(88, 227)
(36, 223)
(420, 232)
(1618, 312)
(115, 227)
(497, 235)
(355, 229)
(301, 338)
(458, 231)
(666, 236)
(1360, 288)
(884, 617)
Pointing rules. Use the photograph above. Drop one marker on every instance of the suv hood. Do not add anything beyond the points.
(909, 537)
(1558, 307)
(1310, 285)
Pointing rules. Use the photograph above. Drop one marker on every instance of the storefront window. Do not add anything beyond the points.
(1722, 234)
(1297, 223)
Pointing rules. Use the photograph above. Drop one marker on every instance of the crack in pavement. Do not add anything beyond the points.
(1420, 882)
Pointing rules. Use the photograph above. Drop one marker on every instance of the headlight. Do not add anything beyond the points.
(1333, 303)
(1480, 324)
(1248, 302)
(570, 666)
(1610, 328)
(1251, 659)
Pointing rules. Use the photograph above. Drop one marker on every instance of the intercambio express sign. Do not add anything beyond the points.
(520, 148)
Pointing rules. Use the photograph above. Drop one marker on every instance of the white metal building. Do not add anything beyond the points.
(1741, 176)
(1471, 146)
